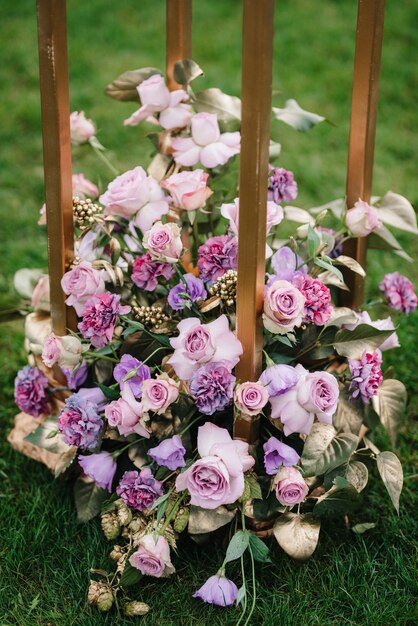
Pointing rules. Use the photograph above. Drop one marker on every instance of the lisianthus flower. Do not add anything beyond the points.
(284, 263)
(206, 144)
(188, 290)
(169, 453)
(399, 292)
(218, 590)
(77, 376)
(30, 391)
(277, 453)
(135, 371)
(100, 467)
(279, 378)
(41, 295)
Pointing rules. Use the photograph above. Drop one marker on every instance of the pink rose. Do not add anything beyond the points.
(153, 557)
(81, 128)
(203, 343)
(81, 283)
(283, 307)
(133, 192)
(83, 187)
(51, 350)
(290, 487)
(163, 242)
(206, 144)
(251, 398)
(188, 189)
(66, 351)
(41, 295)
(362, 219)
(156, 98)
(218, 477)
(158, 394)
(126, 414)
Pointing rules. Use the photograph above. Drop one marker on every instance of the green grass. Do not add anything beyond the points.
(44, 556)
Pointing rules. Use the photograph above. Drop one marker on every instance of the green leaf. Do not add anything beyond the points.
(131, 576)
(293, 115)
(255, 489)
(123, 88)
(161, 509)
(259, 549)
(297, 534)
(109, 505)
(89, 498)
(390, 470)
(241, 595)
(329, 267)
(111, 394)
(237, 546)
(323, 450)
(314, 241)
(340, 499)
(267, 509)
(389, 404)
(227, 108)
(186, 71)
(364, 338)
(360, 529)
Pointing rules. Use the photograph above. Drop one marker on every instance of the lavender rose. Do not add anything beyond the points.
(131, 373)
(126, 414)
(30, 391)
(277, 453)
(212, 387)
(139, 490)
(79, 423)
(362, 219)
(251, 398)
(319, 394)
(188, 290)
(290, 488)
(283, 307)
(163, 242)
(100, 467)
(81, 283)
(159, 393)
(169, 453)
(218, 590)
(188, 190)
(153, 557)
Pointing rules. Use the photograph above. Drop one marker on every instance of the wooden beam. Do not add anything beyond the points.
(178, 36)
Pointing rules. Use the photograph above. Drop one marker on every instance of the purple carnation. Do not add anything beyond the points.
(217, 256)
(169, 453)
(30, 391)
(100, 467)
(218, 590)
(284, 263)
(139, 372)
(282, 186)
(77, 376)
(279, 378)
(80, 423)
(399, 292)
(139, 489)
(276, 454)
(317, 296)
(145, 272)
(212, 386)
(188, 290)
(367, 375)
(99, 318)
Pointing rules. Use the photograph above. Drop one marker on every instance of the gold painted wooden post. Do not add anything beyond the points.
(257, 59)
(53, 70)
(178, 36)
(367, 58)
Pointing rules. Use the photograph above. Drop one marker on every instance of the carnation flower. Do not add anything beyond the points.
(81, 128)
(367, 375)
(218, 590)
(206, 144)
(81, 283)
(283, 307)
(188, 290)
(153, 556)
(100, 467)
(212, 386)
(99, 318)
(134, 371)
(145, 272)
(399, 292)
(139, 490)
(277, 453)
(317, 296)
(169, 453)
(362, 219)
(290, 488)
(159, 393)
(163, 242)
(30, 391)
(282, 187)
(79, 422)
(216, 256)
(188, 190)
(251, 398)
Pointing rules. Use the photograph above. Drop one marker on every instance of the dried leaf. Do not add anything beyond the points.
(389, 404)
(390, 470)
(123, 88)
(293, 115)
(185, 71)
(25, 280)
(297, 534)
(323, 450)
(205, 521)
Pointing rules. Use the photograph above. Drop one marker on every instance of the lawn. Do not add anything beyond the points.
(44, 556)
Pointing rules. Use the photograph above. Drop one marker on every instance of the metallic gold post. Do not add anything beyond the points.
(178, 36)
(53, 70)
(257, 59)
(363, 128)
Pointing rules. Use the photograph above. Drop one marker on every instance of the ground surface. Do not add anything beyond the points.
(44, 555)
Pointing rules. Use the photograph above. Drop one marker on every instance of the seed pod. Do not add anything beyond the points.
(133, 609)
(110, 525)
(181, 520)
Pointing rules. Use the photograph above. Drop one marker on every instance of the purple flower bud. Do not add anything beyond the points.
(276, 454)
(169, 453)
(128, 366)
(100, 467)
(188, 290)
(284, 263)
(218, 590)
(76, 377)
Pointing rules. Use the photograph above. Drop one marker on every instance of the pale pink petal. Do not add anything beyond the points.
(183, 367)
(208, 435)
(188, 157)
(195, 200)
(233, 140)
(150, 213)
(246, 459)
(138, 116)
(228, 453)
(176, 97)
(176, 116)
(236, 488)
(205, 128)
(182, 144)
(216, 154)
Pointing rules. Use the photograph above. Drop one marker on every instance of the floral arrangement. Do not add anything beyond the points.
(140, 400)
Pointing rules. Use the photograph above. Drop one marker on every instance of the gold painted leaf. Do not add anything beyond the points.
(364, 338)
(297, 534)
(124, 86)
(348, 417)
(206, 521)
(390, 470)
(357, 474)
(389, 404)
(185, 71)
(324, 450)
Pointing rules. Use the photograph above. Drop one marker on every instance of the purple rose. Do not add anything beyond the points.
(126, 414)
(277, 453)
(279, 378)
(139, 490)
(80, 423)
(290, 487)
(169, 453)
(284, 263)
(212, 387)
(188, 290)
(145, 272)
(100, 467)
(152, 557)
(99, 318)
(399, 292)
(251, 398)
(216, 256)
(77, 376)
(283, 307)
(159, 393)
(362, 219)
(135, 371)
(367, 375)
(218, 590)
(163, 242)
(282, 187)
(81, 283)
(30, 391)
(317, 296)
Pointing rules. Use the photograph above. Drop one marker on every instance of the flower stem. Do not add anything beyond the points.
(105, 160)
(171, 514)
(100, 356)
